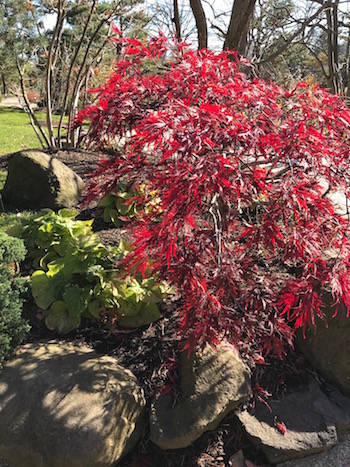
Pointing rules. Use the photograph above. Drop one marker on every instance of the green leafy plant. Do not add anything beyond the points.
(85, 282)
(13, 327)
(47, 234)
(79, 277)
(126, 204)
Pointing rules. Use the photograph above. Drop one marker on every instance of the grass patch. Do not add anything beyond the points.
(16, 132)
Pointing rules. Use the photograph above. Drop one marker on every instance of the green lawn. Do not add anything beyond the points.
(16, 132)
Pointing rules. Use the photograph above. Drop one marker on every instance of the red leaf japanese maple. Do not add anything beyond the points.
(242, 169)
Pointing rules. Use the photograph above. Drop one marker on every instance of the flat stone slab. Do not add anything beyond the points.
(213, 383)
(337, 456)
(310, 417)
(62, 405)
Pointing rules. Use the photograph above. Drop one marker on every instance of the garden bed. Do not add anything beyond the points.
(147, 351)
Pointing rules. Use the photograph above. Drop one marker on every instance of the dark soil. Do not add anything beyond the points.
(146, 352)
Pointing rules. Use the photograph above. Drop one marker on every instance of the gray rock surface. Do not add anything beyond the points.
(339, 202)
(337, 456)
(37, 180)
(61, 405)
(311, 419)
(328, 350)
(339, 408)
(213, 383)
(237, 460)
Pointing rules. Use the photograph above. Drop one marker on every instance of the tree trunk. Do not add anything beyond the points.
(177, 20)
(333, 48)
(3, 85)
(70, 71)
(50, 66)
(241, 17)
(201, 23)
(347, 72)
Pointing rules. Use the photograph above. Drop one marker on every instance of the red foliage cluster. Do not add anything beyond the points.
(245, 229)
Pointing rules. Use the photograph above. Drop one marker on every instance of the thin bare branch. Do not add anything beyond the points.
(304, 25)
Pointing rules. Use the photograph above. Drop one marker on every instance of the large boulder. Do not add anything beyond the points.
(37, 180)
(328, 349)
(62, 405)
(213, 383)
(311, 419)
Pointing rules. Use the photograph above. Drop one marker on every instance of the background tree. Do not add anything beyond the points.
(229, 25)
(312, 36)
(18, 41)
(201, 23)
(79, 42)
(173, 17)
(240, 23)
(62, 61)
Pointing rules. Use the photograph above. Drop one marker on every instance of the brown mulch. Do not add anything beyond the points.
(147, 352)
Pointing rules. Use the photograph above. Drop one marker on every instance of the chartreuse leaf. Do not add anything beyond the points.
(129, 306)
(152, 291)
(122, 207)
(94, 308)
(54, 267)
(57, 315)
(112, 215)
(153, 295)
(166, 289)
(76, 299)
(67, 213)
(108, 200)
(148, 313)
(108, 296)
(59, 319)
(42, 289)
(73, 264)
(130, 290)
(123, 247)
(61, 246)
(48, 258)
(81, 227)
(96, 272)
(46, 289)
(88, 242)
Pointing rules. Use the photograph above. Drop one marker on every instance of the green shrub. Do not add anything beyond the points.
(13, 327)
